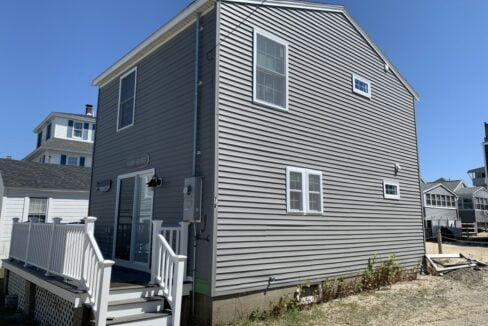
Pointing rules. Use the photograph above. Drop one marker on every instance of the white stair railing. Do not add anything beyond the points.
(168, 270)
(72, 253)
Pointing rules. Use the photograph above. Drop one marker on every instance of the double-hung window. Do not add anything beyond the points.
(304, 191)
(391, 189)
(127, 99)
(77, 129)
(270, 70)
(361, 86)
(37, 210)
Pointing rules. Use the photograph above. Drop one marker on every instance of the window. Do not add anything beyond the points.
(304, 191)
(48, 131)
(391, 189)
(467, 203)
(127, 99)
(63, 160)
(82, 161)
(37, 210)
(77, 130)
(361, 86)
(39, 139)
(427, 199)
(94, 127)
(270, 70)
(72, 160)
(443, 199)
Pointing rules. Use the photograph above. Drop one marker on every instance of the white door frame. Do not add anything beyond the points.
(130, 263)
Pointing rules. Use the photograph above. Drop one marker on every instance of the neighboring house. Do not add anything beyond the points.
(473, 206)
(478, 176)
(440, 210)
(452, 185)
(40, 192)
(292, 128)
(65, 139)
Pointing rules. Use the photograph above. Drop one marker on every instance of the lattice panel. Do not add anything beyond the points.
(51, 310)
(16, 286)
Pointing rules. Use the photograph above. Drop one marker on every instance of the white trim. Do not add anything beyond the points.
(65, 115)
(394, 183)
(130, 71)
(120, 262)
(166, 28)
(104, 78)
(305, 191)
(358, 91)
(282, 42)
(25, 212)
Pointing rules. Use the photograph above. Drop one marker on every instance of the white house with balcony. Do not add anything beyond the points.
(65, 139)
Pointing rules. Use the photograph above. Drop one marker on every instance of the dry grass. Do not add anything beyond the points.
(458, 298)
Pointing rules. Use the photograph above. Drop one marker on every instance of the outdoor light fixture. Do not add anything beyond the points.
(398, 167)
(155, 182)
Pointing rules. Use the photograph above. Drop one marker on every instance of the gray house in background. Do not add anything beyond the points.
(440, 210)
(479, 176)
(473, 207)
(301, 131)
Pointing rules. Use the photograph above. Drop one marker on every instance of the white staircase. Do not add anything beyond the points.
(138, 305)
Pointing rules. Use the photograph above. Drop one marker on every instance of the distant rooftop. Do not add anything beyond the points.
(88, 116)
(33, 175)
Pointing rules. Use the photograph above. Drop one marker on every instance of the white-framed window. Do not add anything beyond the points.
(127, 99)
(361, 86)
(72, 160)
(304, 191)
(391, 189)
(37, 210)
(77, 129)
(270, 70)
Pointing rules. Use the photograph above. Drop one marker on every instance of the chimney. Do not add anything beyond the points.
(486, 131)
(8, 157)
(89, 110)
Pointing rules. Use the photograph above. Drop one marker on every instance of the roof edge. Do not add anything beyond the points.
(440, 185)
(60, 114)
(192, 8)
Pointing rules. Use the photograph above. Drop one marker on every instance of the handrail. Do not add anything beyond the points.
(168, 271)
(73, 254)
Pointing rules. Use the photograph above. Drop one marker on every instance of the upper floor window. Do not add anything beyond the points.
(361, 86)
(437, 200)
(39, 139)
(48, 131)
(391, 189)
(481, 203)
(127, 99)
(77, 130)
(270, 70)
(304, 190)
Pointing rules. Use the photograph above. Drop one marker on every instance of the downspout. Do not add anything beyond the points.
(194, 166)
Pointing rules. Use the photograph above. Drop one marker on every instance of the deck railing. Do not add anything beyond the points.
(168, 266)
(69, 251)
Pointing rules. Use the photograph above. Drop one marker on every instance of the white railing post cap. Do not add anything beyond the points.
(90, 219)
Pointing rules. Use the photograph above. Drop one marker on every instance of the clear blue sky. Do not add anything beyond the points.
(52, 49)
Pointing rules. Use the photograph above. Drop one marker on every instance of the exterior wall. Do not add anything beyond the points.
(162, 131)
(55, 157)
(353, 140)
(71, 207)
(61, 129)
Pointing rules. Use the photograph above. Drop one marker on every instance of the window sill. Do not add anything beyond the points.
(270, 105)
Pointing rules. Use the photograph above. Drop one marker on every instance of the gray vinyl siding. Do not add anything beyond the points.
(354, 141)
(163, 128)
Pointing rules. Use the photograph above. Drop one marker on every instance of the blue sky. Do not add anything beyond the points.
(51, 50)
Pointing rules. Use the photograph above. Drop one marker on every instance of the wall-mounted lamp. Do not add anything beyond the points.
(398, 167)
(155, 182)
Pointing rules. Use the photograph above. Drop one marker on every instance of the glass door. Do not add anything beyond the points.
(134, 216)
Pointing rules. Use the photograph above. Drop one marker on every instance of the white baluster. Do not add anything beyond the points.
(56, 221)
(157, 226)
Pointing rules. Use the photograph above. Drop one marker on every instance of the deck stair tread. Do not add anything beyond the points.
(138, 317)
(135, 300)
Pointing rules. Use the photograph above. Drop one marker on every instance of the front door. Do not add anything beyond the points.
(133, 220)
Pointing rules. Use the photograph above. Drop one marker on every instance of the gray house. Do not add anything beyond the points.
(479, 176)
(440, 210)
(473, 206)
(276, 142)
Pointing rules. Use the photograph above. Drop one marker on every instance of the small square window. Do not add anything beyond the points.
(72, 160)
(77, 130)
(391, 189)
(361, 86)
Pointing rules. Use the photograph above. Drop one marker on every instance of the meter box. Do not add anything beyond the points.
(192, 199)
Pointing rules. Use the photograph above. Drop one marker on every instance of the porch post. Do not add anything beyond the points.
(56, 220)
(184, 244)
(156, 230)
(89, 229)
(15, 221)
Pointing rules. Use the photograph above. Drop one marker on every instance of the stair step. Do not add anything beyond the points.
(133, 292)
(134, 306)
(162, 318)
